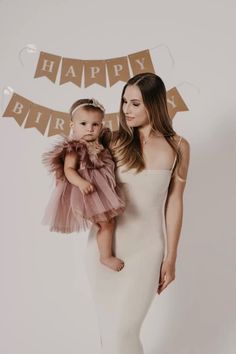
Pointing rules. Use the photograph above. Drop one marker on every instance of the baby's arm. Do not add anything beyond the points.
(73, 176)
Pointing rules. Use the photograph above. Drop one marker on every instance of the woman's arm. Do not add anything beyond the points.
(174, 202)
(173, 217)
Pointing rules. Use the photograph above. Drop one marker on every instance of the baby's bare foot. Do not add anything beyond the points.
(113, 263)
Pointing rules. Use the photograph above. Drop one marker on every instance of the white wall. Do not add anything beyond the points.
(46, 306)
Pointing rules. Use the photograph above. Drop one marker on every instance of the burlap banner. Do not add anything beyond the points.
(99, 72)
(49, 122)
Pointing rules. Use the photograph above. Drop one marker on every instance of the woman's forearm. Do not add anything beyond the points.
(173, 219)
(73, 176)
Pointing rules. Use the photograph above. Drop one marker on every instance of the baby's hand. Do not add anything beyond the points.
(86, 187)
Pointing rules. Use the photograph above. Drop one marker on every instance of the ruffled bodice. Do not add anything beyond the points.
(91, 155)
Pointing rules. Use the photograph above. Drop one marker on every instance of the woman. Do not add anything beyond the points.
(152, 163)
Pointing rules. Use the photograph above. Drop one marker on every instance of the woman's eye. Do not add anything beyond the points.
(83, 123)
(135, 104)
(96, 124)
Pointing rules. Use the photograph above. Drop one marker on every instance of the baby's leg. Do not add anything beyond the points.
(104, 239)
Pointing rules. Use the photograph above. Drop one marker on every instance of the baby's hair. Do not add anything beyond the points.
(89, 104)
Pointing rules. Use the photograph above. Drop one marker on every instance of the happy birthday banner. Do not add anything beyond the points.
(50, 122)
(95, 71)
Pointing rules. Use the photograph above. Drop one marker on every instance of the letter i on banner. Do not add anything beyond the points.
(18, 108)
(38, 118)
(141, 62)
(175, 102)
(48, 65)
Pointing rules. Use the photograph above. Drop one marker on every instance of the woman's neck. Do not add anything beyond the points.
(146, 131)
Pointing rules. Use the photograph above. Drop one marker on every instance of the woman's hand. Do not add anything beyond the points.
(85, 186)
(167, 274)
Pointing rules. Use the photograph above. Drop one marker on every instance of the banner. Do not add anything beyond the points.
(50, 122)
(175, 102)
(48, 65)
(98, 72)
(71, 71)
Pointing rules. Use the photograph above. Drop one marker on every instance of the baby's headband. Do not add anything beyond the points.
(94, 103)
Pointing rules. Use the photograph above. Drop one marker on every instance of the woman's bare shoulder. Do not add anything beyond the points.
(185, 151)
(184, 144)
(184, 148)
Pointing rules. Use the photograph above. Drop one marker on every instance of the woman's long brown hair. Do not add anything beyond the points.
(126, 145)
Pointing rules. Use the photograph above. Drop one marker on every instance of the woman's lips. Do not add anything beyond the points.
(129, 118)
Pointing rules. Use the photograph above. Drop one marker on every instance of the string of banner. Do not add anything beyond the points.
(50, 122)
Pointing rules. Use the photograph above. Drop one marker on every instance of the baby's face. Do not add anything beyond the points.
(86, 124)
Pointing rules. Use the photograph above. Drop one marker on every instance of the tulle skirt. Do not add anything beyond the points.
(69, 210)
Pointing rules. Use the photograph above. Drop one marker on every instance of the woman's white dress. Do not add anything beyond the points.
(122, 299)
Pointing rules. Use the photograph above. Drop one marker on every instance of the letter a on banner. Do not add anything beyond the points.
(48, 65)
(71, 71)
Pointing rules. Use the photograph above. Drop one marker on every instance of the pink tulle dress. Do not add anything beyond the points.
(68, 210)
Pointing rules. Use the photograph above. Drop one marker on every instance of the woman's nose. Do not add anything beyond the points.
(127, 109)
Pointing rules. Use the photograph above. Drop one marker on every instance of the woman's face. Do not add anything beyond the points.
(133, 107)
